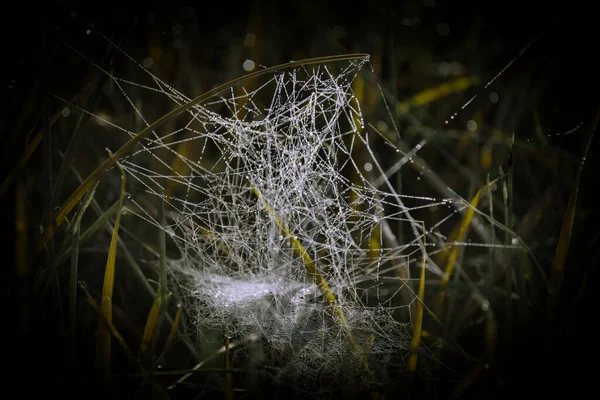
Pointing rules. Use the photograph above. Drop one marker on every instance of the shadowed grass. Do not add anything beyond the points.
(228, 384)
(75, 257)
(158, 309)
(89, 232)
(172, 332)
(109, 326)
(21, 262)
(562, 248)
(25, 156)
(103, 341)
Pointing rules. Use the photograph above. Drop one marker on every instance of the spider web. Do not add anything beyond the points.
(243, 275)
(263, 169)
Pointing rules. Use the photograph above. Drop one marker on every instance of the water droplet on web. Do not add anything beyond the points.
(472, 126)
(248, 65)
(148, 62)
(485, 305)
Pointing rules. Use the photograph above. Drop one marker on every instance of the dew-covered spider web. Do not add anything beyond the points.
(271, 184)
(267, 179)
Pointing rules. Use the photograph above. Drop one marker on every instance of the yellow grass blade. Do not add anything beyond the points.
(127, 147)
(113, 330)
(459, 236)
(103, 344)
(157, 311)
(150, 331)
(437, 92)
(173, 332)
(418, 324)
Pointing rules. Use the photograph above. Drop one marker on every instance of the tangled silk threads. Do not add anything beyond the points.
(293, 140)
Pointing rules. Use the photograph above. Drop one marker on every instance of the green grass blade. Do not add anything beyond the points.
(96, 225)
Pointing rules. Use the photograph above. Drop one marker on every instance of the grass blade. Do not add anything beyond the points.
(97, 224)
(418, 325)
(173, 332)
(562, 249)
(109, 325)
(22, 266)
(461, 388)
(228, 378)
(157, 311)
(75, 258)
(103, 344)
(151, 331)
(437, 92)
(458, 236)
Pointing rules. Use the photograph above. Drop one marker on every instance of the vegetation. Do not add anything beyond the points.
(481, 134)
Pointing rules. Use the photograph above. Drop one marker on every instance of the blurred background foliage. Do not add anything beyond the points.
(415, 46)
